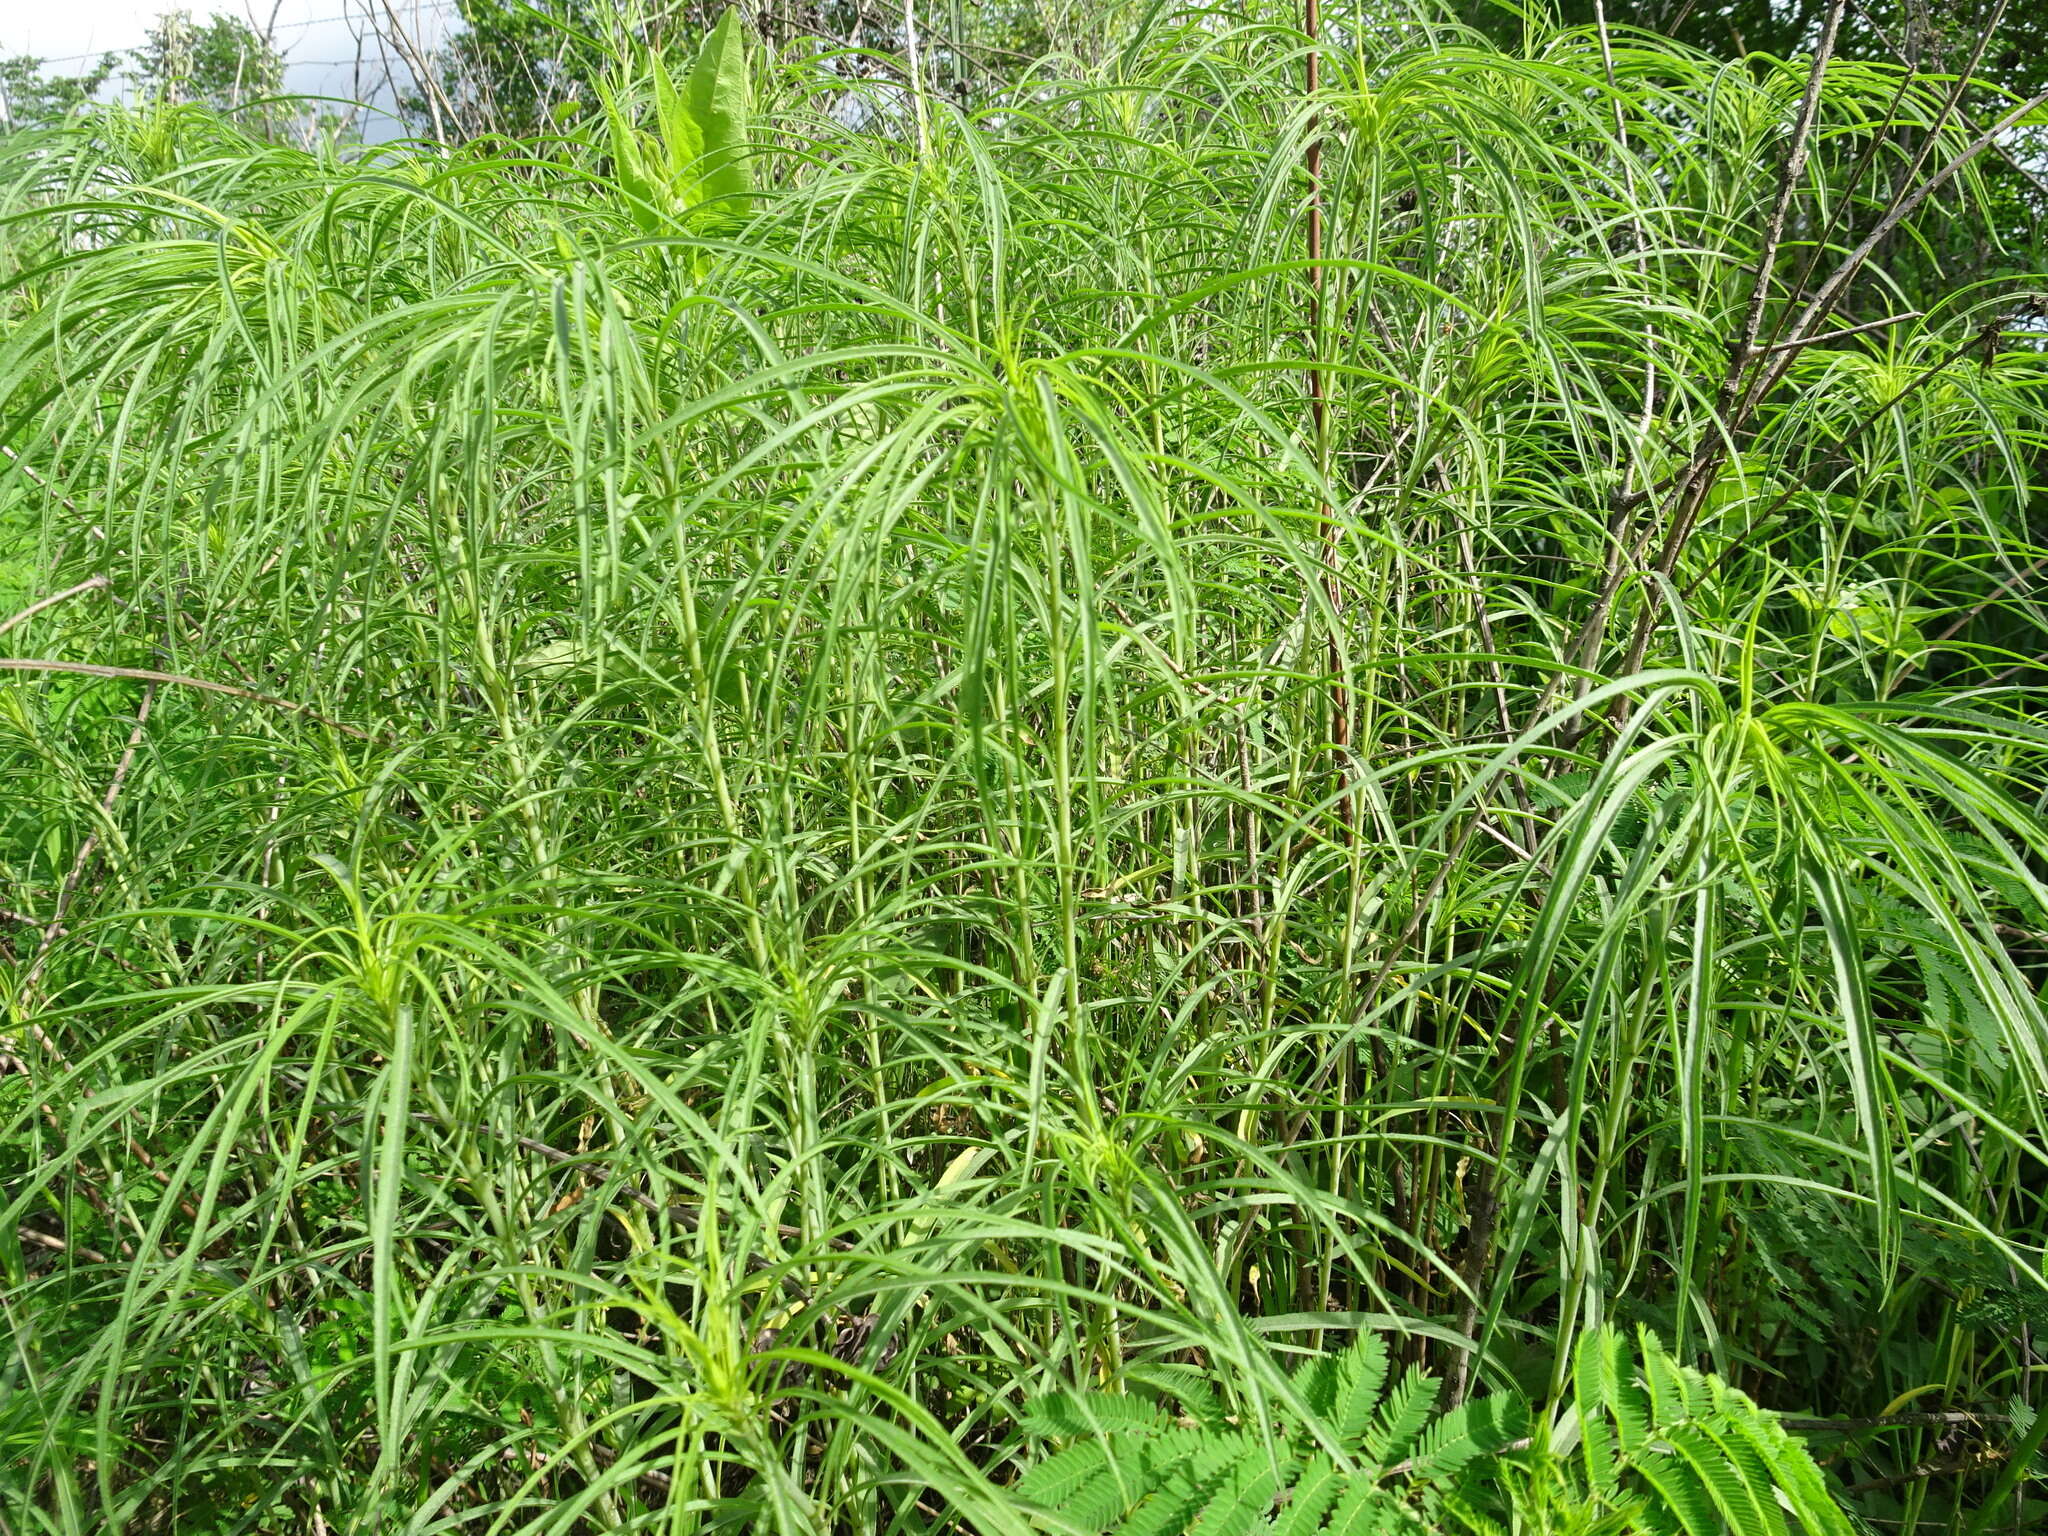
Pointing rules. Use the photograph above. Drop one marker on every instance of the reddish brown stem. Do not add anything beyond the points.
(1318, 398)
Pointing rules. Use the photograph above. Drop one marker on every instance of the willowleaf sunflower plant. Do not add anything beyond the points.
(656, 868)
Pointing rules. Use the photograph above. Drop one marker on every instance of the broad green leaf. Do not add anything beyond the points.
(682, 137)
(720, 100)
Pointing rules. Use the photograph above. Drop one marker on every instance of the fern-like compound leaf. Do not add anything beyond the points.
(1365, 1510)
(1482, 1427)
(1801, 1489)
(1316, 1380)
(1722, 1481)
(1183, 1468)
(1167, 1511)
(1055, 1480)
(1756, 1472)
(1401, 1418)
(1679, 1499)
(1192, 1389)
(1617, 1393)
(1103, 1503)
(1360, 1379)
(1308, 1500)
(1241, 1499)
(1660, 1381)
(1593, 1370)
(1667, 1451)
(1067, 1415)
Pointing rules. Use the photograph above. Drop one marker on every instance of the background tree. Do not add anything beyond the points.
(223, 62)
(1934, 37)
(29, 98)
(1931, 33)
(514, 63)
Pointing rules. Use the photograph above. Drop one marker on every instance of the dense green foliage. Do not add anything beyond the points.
(1659, 1447)
(2000, 45)
(676, 833)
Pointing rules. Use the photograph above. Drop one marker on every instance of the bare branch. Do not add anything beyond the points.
(1846, 331)
(178, 679)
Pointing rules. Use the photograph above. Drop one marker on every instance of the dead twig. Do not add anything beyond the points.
(54, 928)
(1846, 331)
(58, 1245)
(176, 679)
(90, 584)
(1891, 1421)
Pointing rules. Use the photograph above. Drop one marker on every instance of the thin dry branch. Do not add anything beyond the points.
(1830, 292)
(90, 584)
(176, 679)
(54, 928)
(1892, 1421)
